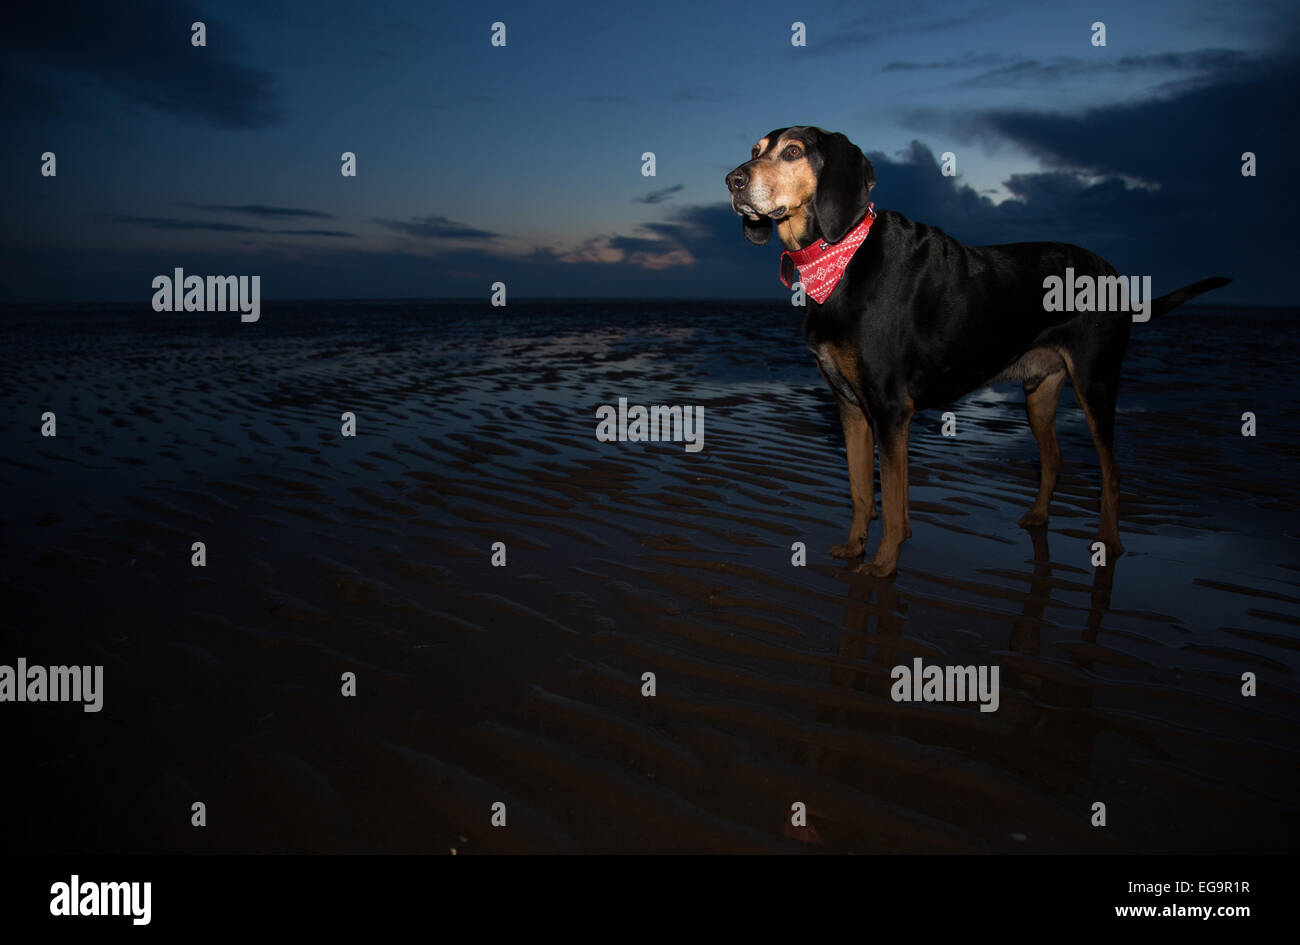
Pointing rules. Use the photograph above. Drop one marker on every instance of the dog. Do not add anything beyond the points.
(901, 317)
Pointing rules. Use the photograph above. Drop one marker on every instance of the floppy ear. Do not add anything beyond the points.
(843, 186)
(757, 231)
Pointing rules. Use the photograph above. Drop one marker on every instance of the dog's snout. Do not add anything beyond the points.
(737, 179)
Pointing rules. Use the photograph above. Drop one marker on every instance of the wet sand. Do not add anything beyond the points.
(523, 684)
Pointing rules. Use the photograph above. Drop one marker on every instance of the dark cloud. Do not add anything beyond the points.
(1166, 233)
(701, 93)
(893, 20)
(24, 99)
(1194, 216)
(261, 210)
(435, 227)
(968, 61)
(659, 196)
(1154, 186)
(339, 233)
(1185, 141)
(169, 223)
(1000, 71)
(210, 226)
(141, 51)
(1032, 72)
(724, 266)
(637, 244)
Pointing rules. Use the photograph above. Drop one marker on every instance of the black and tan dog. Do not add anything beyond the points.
(917, 320)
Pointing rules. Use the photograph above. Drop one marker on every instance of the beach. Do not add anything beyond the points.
(523, 684)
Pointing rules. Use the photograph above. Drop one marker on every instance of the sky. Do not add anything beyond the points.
(523, 164)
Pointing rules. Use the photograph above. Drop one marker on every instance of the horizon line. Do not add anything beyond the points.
(540, 298)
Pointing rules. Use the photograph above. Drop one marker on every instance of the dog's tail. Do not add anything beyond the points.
(1176, 298)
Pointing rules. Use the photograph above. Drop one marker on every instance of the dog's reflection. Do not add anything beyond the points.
(1041, 729)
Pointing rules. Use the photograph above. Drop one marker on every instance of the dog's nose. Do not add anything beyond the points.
(737, 179)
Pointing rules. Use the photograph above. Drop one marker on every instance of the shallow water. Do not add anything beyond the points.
(523, 684)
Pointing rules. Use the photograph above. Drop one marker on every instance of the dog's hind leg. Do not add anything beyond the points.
(859, 445)
(1040, 405)
(1096, 385)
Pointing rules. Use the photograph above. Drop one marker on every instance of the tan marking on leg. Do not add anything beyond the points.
(859, 445)
(907, 500)
(893, 499)
(1109, 531)
(1109, 528)
(1040, 404)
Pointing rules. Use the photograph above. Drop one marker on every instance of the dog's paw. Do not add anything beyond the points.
(1033, 517)
(850, 549)
(879, 567)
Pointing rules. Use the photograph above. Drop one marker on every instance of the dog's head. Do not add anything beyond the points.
(813, 183)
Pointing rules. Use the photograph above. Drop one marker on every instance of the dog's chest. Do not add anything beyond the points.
(827, 335)
(840, 365)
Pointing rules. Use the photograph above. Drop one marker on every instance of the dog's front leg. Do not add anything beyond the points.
(892, 436)
(859, 446)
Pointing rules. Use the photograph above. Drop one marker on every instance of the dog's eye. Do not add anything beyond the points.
(792, 152)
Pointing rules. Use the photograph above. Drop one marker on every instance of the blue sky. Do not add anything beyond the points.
(522, 163)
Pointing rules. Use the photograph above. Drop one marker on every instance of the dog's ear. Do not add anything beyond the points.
(844, 184)
(757, 231)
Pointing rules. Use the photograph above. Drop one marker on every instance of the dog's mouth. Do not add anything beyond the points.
(753, 214)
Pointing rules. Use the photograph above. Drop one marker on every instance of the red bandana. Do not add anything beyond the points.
(821, 264)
